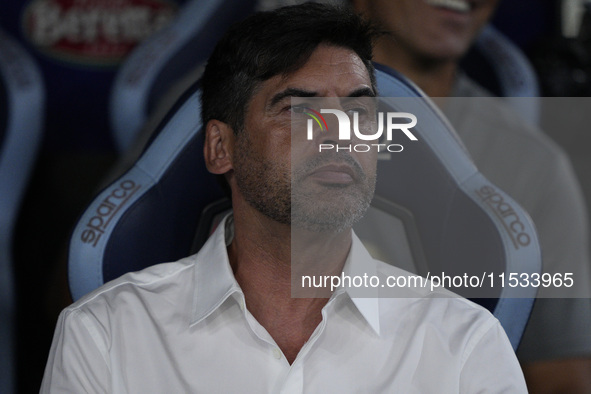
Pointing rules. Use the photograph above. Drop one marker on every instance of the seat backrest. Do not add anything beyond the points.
(21, 123)
(456, 220)
(160, 62)
(154, 212)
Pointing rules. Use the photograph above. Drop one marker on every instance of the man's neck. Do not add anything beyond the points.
(434, 76)
(262, 255)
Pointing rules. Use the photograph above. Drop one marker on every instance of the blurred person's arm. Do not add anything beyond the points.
(571, 376)
(78, 357)
(555, 352)
(529, 166)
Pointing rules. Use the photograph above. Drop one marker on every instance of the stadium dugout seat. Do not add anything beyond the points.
(162, 208)
(22, 99)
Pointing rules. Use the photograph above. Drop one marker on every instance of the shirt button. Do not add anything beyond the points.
(241, 303)
(277, 353)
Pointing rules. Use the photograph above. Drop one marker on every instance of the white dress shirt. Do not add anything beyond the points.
(183, 328)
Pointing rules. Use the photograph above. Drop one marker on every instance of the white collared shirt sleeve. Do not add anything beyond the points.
(77, 359)
(490, 364)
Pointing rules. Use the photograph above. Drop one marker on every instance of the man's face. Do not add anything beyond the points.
(294, 183)
(431, 29)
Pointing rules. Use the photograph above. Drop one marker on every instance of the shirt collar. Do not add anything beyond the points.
(215, 281)
(360, 264)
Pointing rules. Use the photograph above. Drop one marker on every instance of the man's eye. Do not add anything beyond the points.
(302, 108)
(359, 110)
(298, 109)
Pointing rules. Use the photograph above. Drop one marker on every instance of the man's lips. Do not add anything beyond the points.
(334, 173)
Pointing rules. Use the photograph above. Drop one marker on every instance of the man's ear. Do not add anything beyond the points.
(218, 147)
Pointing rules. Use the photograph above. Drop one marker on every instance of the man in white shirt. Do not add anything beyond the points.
(425, 41)
(224, 320)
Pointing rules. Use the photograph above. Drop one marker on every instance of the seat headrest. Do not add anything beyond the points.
(22, 98)
(21, 119)
(161, 61)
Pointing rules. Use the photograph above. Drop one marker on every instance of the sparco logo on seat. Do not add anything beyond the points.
(106, 210)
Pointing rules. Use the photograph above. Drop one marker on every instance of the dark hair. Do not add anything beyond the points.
(273, 43)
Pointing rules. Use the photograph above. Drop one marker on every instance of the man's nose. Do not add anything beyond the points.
(331, 135)
(338, 127)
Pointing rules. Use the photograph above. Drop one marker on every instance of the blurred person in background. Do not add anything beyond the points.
(425, 40)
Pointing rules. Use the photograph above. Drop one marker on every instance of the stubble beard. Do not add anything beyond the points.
(282, 196)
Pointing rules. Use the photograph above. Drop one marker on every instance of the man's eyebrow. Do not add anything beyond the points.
(363, 92)
(291, 92)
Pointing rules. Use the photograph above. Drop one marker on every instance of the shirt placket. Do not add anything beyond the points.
(294, 380)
